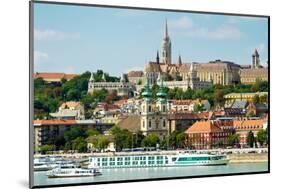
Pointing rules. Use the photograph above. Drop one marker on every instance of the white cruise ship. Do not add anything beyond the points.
(157, 160)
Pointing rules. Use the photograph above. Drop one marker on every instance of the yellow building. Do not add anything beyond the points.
(249, 76)
(231, 97)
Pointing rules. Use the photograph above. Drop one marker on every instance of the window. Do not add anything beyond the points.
(149, 123)
(164, 108)
(149, 108)
(164, 123)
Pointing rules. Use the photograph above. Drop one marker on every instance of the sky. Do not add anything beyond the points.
(75, 39)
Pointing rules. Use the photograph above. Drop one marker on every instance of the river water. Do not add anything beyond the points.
(126, 174)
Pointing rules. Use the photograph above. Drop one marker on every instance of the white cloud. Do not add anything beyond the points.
(181, 23)
(221, 33)
(38, 56)
(54, 35)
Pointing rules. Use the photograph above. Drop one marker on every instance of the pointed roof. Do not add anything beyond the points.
(255, 53)
(179, 60)
(157, 58)
(103, 77)
(166, 30)
(92, 78)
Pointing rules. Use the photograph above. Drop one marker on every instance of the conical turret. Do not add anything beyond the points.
(92, 78)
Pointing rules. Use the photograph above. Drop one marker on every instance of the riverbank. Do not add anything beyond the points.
(248, 158)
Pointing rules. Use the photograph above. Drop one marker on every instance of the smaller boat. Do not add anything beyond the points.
(76, 172)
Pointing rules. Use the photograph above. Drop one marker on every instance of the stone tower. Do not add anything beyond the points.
(255, 59)
(166, 46)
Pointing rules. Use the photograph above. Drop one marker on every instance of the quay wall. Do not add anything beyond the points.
(248, 158)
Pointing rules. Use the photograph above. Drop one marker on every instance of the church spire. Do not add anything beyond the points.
(166, 46)
(179, 60)
(166, 30)
(157, 58)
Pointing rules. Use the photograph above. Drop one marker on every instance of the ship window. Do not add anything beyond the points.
(174, 159)
(119, 159)
(120, 163)
(112, 163)
(127, 158)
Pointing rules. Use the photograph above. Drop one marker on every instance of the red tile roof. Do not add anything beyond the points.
(203, 127)
(187, 102)
(53, 75)
(70, 104)
(54, 122)
(238, 123)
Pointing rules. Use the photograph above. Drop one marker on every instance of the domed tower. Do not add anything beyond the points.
(146, 109)
(166, 46)
(161, 111)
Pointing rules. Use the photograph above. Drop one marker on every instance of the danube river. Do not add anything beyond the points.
(125, 174)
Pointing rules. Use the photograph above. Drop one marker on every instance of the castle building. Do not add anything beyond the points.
(216, 72)
(250, 75)
(191, 81)
(154, 112)
(123, 88)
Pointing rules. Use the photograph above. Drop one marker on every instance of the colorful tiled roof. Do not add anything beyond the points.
(53, 75)
(203, 127)
(54, 122)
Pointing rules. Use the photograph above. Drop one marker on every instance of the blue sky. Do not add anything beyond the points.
(74, 39)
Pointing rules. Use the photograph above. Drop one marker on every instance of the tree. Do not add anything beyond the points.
(101, 142)
(150, 140)
(139, 82)
(250, 139)
(180, 139)
(121, 138)
(71, 135)
(218, 97)
(233, 139)
(264, 99)
(92, 132)
(79, 144)
(45, 148)
(256, 99)
(198, 107)
(262, 137)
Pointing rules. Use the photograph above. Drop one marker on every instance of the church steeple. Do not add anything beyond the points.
(166, 46)
(157, 58)
(179, 60)
(166, 30)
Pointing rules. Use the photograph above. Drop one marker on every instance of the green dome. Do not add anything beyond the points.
(161, 93)
(147, 92)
